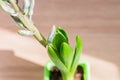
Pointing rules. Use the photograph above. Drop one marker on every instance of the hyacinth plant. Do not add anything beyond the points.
(61, 53)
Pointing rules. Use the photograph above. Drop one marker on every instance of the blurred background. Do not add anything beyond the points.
(96, 21)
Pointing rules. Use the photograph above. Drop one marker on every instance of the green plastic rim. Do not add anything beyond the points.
(83, 64)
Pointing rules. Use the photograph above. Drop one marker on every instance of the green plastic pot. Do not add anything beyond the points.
(85, 66)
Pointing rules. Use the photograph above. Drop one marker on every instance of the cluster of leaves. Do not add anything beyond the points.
(60, 51)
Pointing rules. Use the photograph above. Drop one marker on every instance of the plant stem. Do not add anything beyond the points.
(29, 24)
(67, 76)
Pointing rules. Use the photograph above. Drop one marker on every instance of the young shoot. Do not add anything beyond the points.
(62, 54)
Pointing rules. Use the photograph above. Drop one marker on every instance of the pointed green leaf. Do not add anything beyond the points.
(61, 31)
(56, 59)
(57, 38)
(78, 51)
(66, 54)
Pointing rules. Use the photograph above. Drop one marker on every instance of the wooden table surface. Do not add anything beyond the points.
(96, 21)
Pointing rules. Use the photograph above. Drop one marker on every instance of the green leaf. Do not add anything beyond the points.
(58, 40)
(56, 59)
(78, 51)
(62, 32)
(57, 37)
(66, 54)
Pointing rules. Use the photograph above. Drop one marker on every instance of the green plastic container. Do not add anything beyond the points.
(83, 64)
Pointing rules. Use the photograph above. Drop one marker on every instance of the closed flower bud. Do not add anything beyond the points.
(26, 5)
(25, 32)
(5, 6)
(32, 4)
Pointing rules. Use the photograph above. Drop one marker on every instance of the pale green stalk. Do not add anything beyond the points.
(28, 23)
(60, 52)
(67, 76)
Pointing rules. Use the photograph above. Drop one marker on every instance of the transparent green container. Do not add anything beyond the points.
(85, 66)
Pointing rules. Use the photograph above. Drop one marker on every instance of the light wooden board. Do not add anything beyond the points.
(96, 21)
